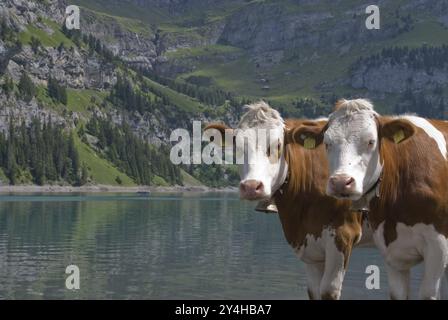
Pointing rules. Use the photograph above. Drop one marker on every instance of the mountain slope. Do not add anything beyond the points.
(150, 66)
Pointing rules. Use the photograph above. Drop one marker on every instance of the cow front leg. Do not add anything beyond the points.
(334, 272)
(398, 283)
(314, 272)
(435, 261)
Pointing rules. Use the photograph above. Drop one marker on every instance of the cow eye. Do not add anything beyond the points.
(371, 143)
(279, 148)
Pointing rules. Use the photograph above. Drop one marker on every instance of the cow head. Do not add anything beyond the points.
(259, 144)
(352, 138)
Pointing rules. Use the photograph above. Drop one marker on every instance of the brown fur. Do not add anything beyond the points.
(414, 186)
(304, 208)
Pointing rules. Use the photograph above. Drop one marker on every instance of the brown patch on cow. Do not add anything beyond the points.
(304, 208)
(414, 186)
(222, 128)
(218, 126)
(348, 234)
(305, 130)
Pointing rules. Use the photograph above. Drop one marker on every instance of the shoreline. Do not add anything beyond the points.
(110, 189)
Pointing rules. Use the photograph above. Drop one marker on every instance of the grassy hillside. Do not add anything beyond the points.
(198, 47)
(100, 170)
(180, 100)
(52, 37)
(126, 10)
(79, 100)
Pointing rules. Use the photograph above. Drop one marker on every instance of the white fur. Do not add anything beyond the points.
(430, 130)
(324, 264)
(350, 130)
(314, 273)
(261, 120)
(413, 245)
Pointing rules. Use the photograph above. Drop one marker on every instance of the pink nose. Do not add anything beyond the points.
(342, 184)
(252, 189)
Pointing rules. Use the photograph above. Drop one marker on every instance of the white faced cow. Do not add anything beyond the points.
(396, 167)
(321, 229)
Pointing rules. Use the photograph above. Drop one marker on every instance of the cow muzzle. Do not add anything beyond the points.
(252, 190)
(341, 186)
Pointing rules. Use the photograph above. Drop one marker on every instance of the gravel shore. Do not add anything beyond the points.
(112, 189)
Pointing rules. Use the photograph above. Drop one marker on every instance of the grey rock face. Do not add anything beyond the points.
(69, 67)
(264, 27)
(12, 108)
(136, 47)
(388, 78)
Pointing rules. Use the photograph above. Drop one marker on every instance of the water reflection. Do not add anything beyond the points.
(186, 246)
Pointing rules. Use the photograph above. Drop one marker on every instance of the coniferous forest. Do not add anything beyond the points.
(132, 155)
(153, 80)
(40, 153)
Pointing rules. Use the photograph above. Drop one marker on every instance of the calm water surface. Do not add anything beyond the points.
(185, 246)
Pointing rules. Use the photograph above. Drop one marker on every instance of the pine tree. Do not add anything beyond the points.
(84, 177)
(61, 47)
(26, 87)
(8, 85)
(56, 91)
(35, 44)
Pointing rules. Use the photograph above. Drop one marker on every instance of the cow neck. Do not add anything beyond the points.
(363, 204)
(283, 176)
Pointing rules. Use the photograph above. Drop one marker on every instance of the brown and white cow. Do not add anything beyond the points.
(397, 167)
(321, 229)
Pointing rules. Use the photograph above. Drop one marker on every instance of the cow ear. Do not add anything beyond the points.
(397, 130)
(213, 129)
(308, 134)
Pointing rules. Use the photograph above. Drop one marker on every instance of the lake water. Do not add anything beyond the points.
(183, 246)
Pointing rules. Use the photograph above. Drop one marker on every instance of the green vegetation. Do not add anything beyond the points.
(8, 85)
(43, 98)
(100, 170)
(182, 101)
(53, 38)
(132, 155)
(56, 91)
(41, 150)
(35, 44)
(300, 81)
(3, 178)
(189, 180)
(27, 90)
(6, 33)
(211, 50)
(144, 95)
(215, 176)
(80, 99)
(426, 57)
(159, 181)
(197, 87)
(149, 15)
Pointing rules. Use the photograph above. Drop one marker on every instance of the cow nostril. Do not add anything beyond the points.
(350, 181)
(259, 186)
